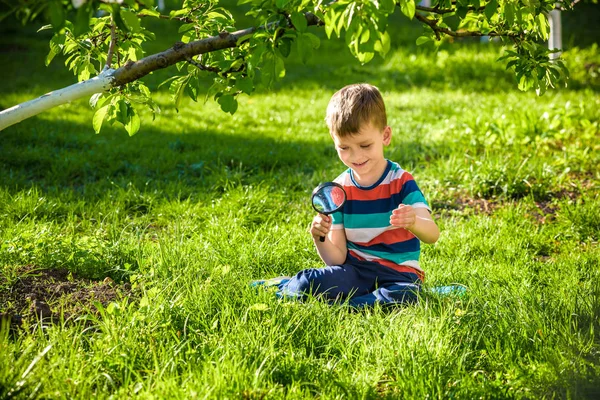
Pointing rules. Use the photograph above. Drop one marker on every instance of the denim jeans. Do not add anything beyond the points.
(360, 283)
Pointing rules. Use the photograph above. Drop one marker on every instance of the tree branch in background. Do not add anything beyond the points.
(202, 67)
(436, 10)
(113, 43)
(433, 24)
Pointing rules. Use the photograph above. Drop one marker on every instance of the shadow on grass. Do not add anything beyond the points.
(62, 156)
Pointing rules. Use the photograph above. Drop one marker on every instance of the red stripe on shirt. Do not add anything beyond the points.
(380, 192)
(391, 236)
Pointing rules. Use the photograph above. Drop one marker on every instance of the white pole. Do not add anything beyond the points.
(18, 113)
(555, 39)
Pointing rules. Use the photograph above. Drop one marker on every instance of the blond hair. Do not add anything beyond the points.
(352, 107)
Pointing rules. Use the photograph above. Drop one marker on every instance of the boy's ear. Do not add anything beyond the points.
(387, 135)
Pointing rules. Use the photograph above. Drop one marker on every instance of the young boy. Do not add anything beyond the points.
(372, 244)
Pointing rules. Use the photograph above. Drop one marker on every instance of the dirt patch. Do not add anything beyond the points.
(462, 204)
(49, 293)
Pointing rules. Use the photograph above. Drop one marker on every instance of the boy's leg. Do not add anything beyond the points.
(397, 293)
(333, 282)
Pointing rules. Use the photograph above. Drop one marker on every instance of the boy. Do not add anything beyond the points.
(372, 244)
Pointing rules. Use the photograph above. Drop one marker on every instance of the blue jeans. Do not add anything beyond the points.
(361, 283)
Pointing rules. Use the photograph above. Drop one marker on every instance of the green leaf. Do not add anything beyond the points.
(147, 3)
(98, 118)
(543, 26)
(132, 126)
(330, 22)
(284, 46)
(383, 45)
(509, 14)
(365, 57)
(192, 90)
(57, 15)
(387, 6)
(149, 13)
(245, 85)
(316, 42)
(177, 88)
(186, 27)
(82, 19)
(408, 8)
(228, 103)
(45, 28)
(299, 21)
(305, 48)
(461, 12)
(131, 20)
(490, 9)
(423, 39)
(56, 44)
(281, 3)
(116, 14)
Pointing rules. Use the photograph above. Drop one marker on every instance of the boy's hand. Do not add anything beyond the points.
(403, 217)
(320, 226)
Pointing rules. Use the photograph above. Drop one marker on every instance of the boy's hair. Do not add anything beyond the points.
(352, 107)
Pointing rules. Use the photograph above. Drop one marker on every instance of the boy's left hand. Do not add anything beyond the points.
(403, 217)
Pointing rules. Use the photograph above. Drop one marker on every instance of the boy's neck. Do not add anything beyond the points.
(372, 177)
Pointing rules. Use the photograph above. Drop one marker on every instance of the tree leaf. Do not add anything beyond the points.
(132, 126)
(316, 42)
(408, 8)
(490, 9)
(82, 19)
(509, 14)
(228, 103)
(387, 6)
(299, 21)
(284, 46)
(149, 13)
(57, 15)
(131, 20)
(423, 39)
(305, 48)
(98, 118)
(244, 84)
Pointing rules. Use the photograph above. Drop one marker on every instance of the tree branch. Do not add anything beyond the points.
(432, 23)
(436, 10)
(132, 71)
(202, 67)
(113, 42)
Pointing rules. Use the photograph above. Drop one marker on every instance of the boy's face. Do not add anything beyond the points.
(363, 152)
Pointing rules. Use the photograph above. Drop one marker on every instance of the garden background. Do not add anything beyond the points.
(142, 248)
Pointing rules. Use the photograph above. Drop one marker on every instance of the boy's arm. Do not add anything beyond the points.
(333, 250)
(416, 220)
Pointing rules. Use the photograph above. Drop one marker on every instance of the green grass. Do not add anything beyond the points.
(199, 203)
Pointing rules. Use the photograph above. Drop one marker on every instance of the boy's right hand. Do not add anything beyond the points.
(320, 227)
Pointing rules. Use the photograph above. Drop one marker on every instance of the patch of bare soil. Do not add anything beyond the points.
(48, 293)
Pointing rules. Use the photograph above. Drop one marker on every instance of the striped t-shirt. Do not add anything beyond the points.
(365, 217)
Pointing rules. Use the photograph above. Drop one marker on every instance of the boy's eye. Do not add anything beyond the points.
(343, 148)
(365, 146)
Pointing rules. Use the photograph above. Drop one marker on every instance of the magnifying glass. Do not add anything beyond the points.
(328, 198)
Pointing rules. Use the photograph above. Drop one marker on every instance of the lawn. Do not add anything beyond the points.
(142, 248)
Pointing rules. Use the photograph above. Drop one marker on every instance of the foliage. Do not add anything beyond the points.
(95, 35)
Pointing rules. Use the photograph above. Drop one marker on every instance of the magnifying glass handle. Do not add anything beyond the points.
(321, 239)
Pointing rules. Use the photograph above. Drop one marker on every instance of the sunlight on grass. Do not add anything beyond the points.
(199, 203)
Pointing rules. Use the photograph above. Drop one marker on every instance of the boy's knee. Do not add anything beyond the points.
(313, 281)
